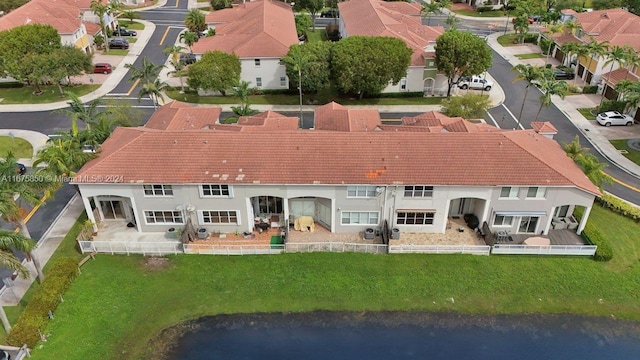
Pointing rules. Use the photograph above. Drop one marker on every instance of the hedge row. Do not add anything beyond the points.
(590, 89)
(594, 237)
(35, 317)
(619, 207)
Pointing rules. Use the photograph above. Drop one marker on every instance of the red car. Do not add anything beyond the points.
(102, 68)
(530, 20)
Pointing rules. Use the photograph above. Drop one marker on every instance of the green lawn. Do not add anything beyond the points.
(316, 36)
(131, 25)
(586, 112)
(117, 52)
(508, 40)
(51, 93)
(119, 303)
(282, 99)
(633, 155)
(530, 56)
(494, 13)
(21, 148)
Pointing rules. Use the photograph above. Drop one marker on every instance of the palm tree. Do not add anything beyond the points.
(521, 27)
(62, 157)
(553, 29)
(130, 14)
(14, 193)
(581, 51)
(596, 50)
(569, 48)
(100, 10)
(177, 70)
(98, 131)
(429, 8)
(632, 60)
(629, 92)
(79, 111)
(570, 26)
(593, 168)
(242, 90)
(300, 61)
(452, 21)
(548, 88)
(529, 74)
(573, 149)
(10, 240)
(189, 38)
(147, 73)
(175, 51)
(617, 54)
(195, 21)
(154, 90)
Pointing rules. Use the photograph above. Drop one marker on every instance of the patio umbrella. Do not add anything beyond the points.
(537, 241)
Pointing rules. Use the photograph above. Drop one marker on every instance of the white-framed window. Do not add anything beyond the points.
(218, 217)
(158, 190)
(509, 192)
(215, 190)
(536, 192)
(258, 81)
(163, 217)
(503, 220)
(256, 62)
(283, 81)
(561, 211)
(415, 218)
(403, 84)
(360, 217)
(418, 191)
(431, 63)
(361, 191)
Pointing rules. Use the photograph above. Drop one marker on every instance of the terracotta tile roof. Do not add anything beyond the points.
(267, 121)
(455, 124)
(612, 78)
(256, 29)
(83, 4)
(564, 38)
(520, 158)
(181, 116)
(617, 26)
(335, 117)
(394, 19)
(543, 127)
(402, 128)
(57, 13)
(92, 28)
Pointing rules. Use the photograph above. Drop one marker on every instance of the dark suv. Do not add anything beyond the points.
(118, 44)
(187, 59)
(124, 32)
(563, 75)
(333, 13)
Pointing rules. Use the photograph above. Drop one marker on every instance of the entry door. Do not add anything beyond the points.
(112, 209)
(528, 224)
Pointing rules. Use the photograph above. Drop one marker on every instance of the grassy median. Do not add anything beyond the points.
(120, 302)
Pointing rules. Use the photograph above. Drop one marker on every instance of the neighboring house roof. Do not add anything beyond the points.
(543, 127)
(617, 26)
(92, 28)
(57, 13)
(267, 121)
(564, 38)
(83, 4)
(612, 78)
(446, 124)
(182, 116)
(255, 29)
(507, 158)
(336, 117)
(393, 19)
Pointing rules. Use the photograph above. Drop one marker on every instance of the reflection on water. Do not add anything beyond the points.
(401, 335)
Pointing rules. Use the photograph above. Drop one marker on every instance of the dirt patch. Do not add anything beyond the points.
(155, 263)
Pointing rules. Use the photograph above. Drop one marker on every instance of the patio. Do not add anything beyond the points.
(556, 237)
(451, 236)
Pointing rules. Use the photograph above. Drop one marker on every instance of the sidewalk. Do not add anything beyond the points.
(36, 139)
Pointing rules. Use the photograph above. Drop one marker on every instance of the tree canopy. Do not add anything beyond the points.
(216, 70)
(460, 53)
(316, 71)
(365, 65)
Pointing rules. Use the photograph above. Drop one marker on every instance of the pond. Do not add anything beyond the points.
(403, 335)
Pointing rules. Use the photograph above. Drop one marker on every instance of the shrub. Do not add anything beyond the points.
(619, 207)
(590, 89)
(594, 237)
(280, 92)
(411, 94)
(11, 85)
(35, 317)
(612, 105)
(531, 38)
(544, 46)
(484, 8)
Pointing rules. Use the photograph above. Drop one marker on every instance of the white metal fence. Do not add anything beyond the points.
(336, 247)
(131, 247)
(233, 249)
(586, 250)
(440, 249)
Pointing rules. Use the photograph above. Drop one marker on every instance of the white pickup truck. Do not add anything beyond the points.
(475, 82)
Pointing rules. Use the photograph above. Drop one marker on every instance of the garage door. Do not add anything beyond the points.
(306, 207)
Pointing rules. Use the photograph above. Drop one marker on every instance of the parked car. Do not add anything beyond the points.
(332, 13)
(475, 82)
(4, 355)
(187, 58)
(514, 20)
(614, 118)
(120, 31)
(564, 75)
(102, 68)
(118, 44)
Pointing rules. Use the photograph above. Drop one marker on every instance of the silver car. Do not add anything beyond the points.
(614, 118)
